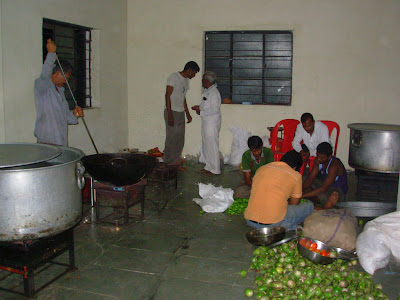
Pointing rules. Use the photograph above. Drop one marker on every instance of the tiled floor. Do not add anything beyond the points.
(178, 254)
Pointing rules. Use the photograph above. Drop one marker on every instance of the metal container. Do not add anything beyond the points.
(367, 209)
(41, 199)
(375, 147)
(265, 236)
(315, 257)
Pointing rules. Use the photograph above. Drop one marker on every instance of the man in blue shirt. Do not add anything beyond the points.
(53, 113)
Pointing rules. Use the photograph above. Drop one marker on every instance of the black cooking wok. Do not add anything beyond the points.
(119, 169)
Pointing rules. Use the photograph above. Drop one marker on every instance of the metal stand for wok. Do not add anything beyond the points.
(167, 176)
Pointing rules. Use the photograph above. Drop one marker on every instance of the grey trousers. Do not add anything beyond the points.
(174, 137)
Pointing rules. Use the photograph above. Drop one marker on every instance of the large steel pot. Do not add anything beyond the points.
(41, 199)
(375, 147)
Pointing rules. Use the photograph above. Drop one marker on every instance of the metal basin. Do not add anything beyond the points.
(265, 236)
(314, 256)
(367, 209)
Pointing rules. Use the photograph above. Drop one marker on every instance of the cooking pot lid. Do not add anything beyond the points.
(13, 155)
(374, 127)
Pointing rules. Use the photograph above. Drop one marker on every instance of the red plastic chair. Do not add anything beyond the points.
(280, 146)
(332, 125)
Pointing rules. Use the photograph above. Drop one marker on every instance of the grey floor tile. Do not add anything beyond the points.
(113, 282)
(183, 289)
(163, 241)
(204, 269)
(226, 250)
(134, 260)
(62, 293)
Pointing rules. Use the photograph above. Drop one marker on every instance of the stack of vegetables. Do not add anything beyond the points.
(282, 273)
(238, 206)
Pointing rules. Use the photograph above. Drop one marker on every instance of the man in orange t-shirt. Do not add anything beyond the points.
(273, 185)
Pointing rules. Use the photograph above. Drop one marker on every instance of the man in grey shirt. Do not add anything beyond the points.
(53, 113)
(175, 110)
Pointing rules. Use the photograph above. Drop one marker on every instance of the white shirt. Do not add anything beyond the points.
(181, 86)
(320, 134)
(210, 102)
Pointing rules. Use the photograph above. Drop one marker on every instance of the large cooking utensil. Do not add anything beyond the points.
(43, 198)
(375, 147)
(119, 169)
(265, 236)
(367, 209)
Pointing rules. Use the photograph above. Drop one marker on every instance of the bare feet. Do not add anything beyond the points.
(333, 199)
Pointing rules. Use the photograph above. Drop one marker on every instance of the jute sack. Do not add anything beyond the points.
(335, 227)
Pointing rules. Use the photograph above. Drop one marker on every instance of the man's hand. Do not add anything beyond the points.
(305, 155)
(170, 120)
(78, 112)
(196, 108)
(189, 118)
(51, 46)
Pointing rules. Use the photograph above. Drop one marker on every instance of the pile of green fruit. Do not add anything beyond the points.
(282, 273)
(238, 206)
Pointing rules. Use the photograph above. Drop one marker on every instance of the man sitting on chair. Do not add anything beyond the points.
(252, 159)
(312, 133)
(331, 186)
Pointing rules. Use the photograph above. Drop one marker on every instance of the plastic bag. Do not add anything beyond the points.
(215, 199)
(379, 242)
(239, 145)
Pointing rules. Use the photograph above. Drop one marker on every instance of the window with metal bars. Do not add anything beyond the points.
(252, 67)
(74, 45)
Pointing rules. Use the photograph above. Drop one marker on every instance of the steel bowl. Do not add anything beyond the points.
(315, 257)
(345, 254)
(265, 236)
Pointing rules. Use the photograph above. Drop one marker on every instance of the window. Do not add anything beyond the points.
(74, 45)
(253, 67)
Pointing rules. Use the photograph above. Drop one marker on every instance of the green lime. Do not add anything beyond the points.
(248, 293)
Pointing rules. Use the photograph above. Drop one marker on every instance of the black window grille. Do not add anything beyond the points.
(74, 45)
(253, 67)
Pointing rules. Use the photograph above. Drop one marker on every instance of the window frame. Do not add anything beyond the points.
(76, 48)
(272, 58)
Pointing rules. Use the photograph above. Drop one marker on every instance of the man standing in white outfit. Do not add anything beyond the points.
(210, 112)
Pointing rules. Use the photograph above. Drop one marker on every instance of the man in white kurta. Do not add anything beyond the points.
(312, 133)
(210, 112)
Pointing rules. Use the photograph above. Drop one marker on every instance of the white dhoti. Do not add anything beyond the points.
(210, 127)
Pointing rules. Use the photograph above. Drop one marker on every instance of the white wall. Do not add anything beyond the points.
(2, 131)
(346, 62)
(21, 53)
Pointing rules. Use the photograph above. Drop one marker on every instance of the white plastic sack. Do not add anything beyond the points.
(379, 241)
(215, 199)
(265, 140)
(239, 145)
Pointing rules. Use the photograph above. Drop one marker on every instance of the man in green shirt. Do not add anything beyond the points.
(252, 159)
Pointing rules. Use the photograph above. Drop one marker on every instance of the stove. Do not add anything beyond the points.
(377, 187)
(30, 258)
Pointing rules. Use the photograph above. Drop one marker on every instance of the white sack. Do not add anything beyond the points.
(379, 241)
(239, 145)
(215, 199)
